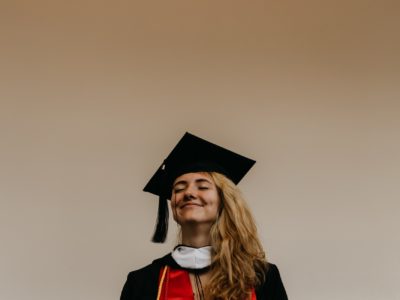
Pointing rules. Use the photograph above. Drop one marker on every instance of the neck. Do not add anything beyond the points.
(196, 236)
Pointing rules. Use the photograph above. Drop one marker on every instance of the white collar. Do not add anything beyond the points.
(192, 258)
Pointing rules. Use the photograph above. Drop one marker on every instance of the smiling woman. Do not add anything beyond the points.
(221, 256)
(194, 201)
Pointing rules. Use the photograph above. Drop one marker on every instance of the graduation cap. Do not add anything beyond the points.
(192, 154)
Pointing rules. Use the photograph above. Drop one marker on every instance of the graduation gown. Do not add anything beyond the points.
(142, 284)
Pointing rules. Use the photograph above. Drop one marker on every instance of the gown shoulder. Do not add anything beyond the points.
(143, 283)
(272, 288)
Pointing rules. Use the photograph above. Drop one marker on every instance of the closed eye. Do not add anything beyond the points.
(203, 187)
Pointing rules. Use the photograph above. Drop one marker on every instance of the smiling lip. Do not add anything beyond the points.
(190, 205)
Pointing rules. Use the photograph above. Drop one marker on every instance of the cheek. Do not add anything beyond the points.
(173, 207)
(215, 203)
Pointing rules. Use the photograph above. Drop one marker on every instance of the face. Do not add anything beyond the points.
(195, 199)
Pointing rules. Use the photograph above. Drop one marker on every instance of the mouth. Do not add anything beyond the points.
(190, 205)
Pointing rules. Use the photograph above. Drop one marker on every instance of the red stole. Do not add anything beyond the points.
(174, 284)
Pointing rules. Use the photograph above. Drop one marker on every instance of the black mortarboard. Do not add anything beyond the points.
(192, 154)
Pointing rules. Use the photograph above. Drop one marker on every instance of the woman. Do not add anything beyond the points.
(220, 256)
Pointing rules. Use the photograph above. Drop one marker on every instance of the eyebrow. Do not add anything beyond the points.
(199, 180)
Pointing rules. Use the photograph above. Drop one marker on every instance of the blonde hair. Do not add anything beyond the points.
(238, 259)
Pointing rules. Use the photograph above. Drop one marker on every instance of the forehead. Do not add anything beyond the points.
(194, 177)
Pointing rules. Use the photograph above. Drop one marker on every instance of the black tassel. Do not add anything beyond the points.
(161, 230)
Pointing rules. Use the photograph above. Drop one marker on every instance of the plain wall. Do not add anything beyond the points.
(94, 95)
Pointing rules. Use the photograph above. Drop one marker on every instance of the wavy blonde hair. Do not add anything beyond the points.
(238, 259)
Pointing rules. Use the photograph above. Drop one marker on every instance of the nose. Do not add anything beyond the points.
(190, 193)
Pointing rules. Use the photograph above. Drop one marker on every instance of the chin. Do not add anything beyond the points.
(194, 220)
(190, 220)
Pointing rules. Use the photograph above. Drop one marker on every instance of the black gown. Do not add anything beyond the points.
(142, 284)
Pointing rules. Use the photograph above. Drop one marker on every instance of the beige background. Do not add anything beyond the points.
(94, 94)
